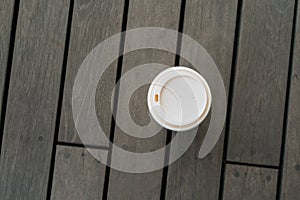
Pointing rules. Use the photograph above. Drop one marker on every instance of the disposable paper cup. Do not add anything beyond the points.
(179, 98)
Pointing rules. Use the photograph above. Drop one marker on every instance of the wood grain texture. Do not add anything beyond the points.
(243, 182)
(32, 99)
(77, 175)
(212, 24)
(260, 82)
(93, 22)
(156, 13)
(291, 170)
(6, 15)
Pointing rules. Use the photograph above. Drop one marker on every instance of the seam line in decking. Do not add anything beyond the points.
(8, 69)
(69, 144)
(116, 97)
(251, 165)
(230, 95)
(287, 100)
(164, 180)
(60, 98)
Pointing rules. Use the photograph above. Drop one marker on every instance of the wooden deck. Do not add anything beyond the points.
(256, 46)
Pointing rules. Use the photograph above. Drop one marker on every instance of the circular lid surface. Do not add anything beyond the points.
(179, 98)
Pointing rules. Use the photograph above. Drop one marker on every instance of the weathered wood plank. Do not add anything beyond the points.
(6, 15)
(212, 24)
(32, 99)
(77, 175)
(93, 21)
(244, 182)
(260, 82)
(156, 13)
(291, 170)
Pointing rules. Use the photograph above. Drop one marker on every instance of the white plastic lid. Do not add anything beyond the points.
(179, 98)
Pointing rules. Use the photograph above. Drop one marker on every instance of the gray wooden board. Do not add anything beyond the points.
(291, 170)
(93, 22)
(6, 15)
(243, 182)
(32, 99)
(212, 24)
(156, 13)
(260, 82)
(77, 175)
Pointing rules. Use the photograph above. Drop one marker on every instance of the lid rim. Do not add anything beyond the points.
(161, 79)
